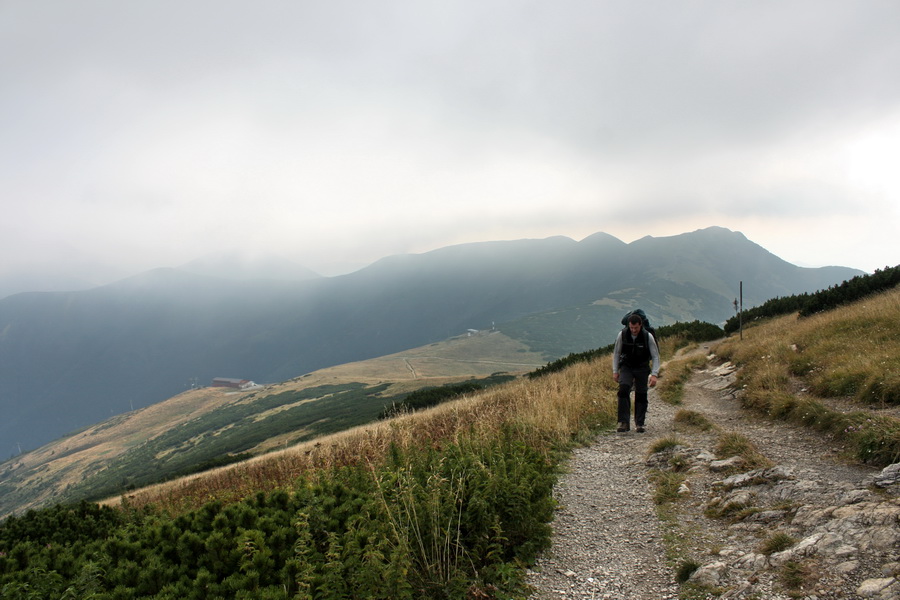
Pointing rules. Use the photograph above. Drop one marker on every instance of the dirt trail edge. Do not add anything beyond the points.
(839, 522)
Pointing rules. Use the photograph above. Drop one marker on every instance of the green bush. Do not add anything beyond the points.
(428, 523)
(695, 331)
(571, 359)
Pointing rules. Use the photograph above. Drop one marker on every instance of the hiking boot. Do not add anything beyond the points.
(623, 426)
(640, 429)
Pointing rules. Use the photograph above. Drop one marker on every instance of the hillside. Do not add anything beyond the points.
(70, 360)
(812, 371)
(212, 425)
(453, 501)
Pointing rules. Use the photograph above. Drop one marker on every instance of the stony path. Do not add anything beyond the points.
(608, 540)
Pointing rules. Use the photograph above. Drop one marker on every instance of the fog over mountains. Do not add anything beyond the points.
(71, 359)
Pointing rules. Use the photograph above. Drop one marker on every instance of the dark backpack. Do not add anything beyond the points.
(646, 322)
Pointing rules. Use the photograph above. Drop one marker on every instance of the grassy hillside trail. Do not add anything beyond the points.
(628, 520)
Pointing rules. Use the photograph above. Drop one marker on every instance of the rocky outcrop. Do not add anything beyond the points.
(839, 540)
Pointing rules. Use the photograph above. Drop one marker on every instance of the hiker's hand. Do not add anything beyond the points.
(616, 377)
(653, 381)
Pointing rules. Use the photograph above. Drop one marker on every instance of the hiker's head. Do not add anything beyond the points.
(634, 324)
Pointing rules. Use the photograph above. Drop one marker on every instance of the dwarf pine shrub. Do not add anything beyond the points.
(426, 523)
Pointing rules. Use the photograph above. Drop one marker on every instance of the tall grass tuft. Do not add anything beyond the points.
(691, 419)
(663, 444)
(734, 444)
(666, 485)
(777, 542)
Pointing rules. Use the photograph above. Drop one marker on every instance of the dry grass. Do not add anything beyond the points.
(851, 351)
(677, 372)
(776, 542)
(848, 354)
(692, 420)
(666, 486)
(549, 412)
(663, 444)
(735, 444)
(799, 578)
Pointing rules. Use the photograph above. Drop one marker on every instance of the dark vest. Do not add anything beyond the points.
(635, 352)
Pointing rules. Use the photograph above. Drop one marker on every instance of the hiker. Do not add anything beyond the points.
(635, 349)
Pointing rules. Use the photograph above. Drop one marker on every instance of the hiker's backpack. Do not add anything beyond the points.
(645, 322)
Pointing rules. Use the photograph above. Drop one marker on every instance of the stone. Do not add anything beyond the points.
(710, 575)
(757, 476)
(855, 496)
(847, 567)
(719, 383)
(705, 456)
(739, 499)
(888, 476)
(871, 588)
(767, 516)
(735, 462)
(752, 561)
(817, 543)
(812, 516)
(879, 538)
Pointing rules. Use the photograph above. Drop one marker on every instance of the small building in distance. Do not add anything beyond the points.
(238, 384)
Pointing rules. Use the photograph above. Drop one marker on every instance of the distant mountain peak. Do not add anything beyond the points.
(715, 230)
(601, 239)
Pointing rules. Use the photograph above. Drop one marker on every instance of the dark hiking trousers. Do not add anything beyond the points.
(638, 378)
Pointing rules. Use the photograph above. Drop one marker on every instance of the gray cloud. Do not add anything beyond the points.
(151, 133)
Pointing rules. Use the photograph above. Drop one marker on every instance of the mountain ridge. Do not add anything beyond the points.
(71, 359)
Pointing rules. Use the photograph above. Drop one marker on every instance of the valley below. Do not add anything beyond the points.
(209, 424)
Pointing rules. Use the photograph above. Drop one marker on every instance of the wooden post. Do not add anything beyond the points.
(741, 312)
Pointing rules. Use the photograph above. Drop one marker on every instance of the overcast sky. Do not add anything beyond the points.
(142, 134)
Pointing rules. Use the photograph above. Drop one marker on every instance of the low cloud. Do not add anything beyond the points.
(148, 135)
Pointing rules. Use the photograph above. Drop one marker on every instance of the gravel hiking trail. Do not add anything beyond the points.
(608, 541)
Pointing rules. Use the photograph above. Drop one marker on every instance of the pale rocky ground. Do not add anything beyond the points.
(609, 541)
